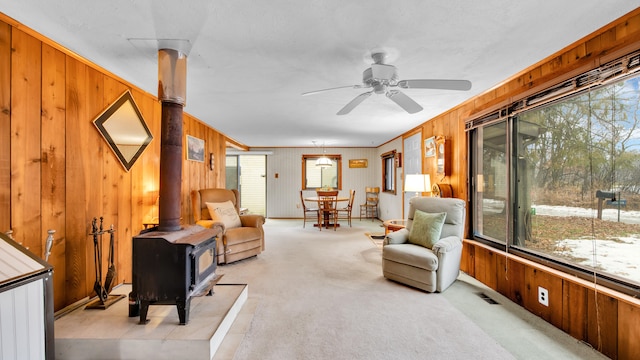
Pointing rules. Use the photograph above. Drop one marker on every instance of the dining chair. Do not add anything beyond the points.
(345, 212)
(308, 211)
(370, 206)
(327, 209)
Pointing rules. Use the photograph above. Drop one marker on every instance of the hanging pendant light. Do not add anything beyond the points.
(323, 161)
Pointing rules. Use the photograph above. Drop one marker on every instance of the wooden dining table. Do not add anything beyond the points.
(326, 222)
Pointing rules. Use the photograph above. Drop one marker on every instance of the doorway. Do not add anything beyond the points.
(247, 174)
(412, 164)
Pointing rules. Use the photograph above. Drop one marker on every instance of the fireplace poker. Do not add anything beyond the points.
(97, 286)
(111, 272)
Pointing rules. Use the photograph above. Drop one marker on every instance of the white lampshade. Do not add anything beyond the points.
(417, 182)
(323, 161)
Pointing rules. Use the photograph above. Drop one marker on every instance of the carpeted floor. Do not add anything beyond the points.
(321, 295)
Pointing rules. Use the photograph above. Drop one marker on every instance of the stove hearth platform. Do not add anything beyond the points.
(112, 334)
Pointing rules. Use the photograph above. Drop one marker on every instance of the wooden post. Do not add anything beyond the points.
(600, 202)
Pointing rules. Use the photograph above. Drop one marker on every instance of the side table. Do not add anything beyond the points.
(394, 225)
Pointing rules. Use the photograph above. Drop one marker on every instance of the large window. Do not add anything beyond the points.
(318, 177)
(561, 181)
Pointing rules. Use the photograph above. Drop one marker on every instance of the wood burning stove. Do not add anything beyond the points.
(172, 263)
(169, 268)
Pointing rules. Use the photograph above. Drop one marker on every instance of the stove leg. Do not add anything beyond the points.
(144, 308)
(183, 310)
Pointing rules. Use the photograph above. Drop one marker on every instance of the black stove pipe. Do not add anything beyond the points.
(172, 69)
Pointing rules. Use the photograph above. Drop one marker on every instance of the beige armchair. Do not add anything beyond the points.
(433, 267)
(237, 243)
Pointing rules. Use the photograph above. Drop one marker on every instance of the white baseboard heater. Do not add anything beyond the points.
(26, 304)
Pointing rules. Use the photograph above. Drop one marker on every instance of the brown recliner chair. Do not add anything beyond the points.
(237, 243)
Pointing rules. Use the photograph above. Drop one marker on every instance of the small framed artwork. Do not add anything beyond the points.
(430, 147)
(358, 163)
(195, 149)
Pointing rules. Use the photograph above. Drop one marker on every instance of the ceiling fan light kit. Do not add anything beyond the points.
(380, 77)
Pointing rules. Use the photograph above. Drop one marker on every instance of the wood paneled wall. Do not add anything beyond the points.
(5, 127)
(57, 172)
(601, 317)
(451, 126)
(596, 315)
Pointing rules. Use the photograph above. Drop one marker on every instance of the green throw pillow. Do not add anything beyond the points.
(426, 228)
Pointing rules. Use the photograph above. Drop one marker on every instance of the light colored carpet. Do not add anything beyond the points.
(321, 295)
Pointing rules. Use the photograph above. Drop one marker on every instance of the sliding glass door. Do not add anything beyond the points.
(561, 181)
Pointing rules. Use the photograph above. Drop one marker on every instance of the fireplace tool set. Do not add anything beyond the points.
(104, 300)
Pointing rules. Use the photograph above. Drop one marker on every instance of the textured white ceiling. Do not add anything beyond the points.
(250, 60)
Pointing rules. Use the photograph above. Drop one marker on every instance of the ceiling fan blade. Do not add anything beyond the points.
(404, 101)
(335, 88)
(353, 103)
(435, 84)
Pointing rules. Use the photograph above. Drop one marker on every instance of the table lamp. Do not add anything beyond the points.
(417, 182)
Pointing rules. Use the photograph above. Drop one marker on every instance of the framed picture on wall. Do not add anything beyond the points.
(358, 163)
(195, 149)
(430, 147)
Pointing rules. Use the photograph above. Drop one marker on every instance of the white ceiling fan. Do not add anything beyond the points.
(383, 79)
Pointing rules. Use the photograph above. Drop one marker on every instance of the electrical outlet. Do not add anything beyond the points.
(543, 296)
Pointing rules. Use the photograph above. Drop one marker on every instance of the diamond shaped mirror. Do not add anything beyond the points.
(124, 129)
